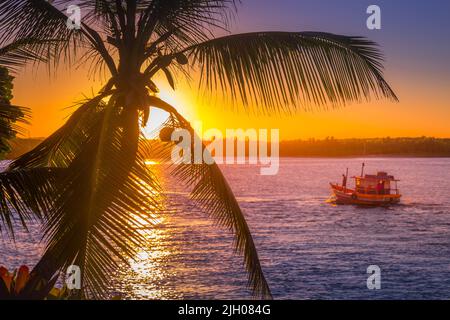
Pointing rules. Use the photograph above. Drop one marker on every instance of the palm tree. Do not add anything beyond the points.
(12, 56)
(88, 181)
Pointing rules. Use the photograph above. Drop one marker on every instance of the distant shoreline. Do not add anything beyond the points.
(394, 156)
(421, 147)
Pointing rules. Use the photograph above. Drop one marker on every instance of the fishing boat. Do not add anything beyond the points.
(370, 189)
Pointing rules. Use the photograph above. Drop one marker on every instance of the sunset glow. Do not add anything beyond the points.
(420, 82)
(247, 151)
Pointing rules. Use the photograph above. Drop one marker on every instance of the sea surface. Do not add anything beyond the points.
(309, 248)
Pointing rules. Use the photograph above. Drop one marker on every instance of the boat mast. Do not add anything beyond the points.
(346, 180)
(362, 169)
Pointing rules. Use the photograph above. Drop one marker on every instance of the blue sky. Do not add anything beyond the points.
(418, 29)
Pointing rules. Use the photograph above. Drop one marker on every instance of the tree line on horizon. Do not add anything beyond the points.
(328, 147)
(331, 147)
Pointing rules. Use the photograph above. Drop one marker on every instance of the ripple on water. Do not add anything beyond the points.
(308, 248)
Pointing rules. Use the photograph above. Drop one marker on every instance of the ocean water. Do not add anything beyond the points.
(309, 248)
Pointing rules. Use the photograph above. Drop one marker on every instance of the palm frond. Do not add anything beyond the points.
(26, 195)
(19, 52)
(46, 23)
(105, 195)
(211, 192)
(282, 71)
(103, 13)
(60, 148)
(11, 116)
(42, 21)
(187, 21)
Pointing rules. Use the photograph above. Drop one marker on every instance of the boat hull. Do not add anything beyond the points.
(350, 196)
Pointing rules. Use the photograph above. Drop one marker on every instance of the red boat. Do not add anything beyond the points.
(371, 189)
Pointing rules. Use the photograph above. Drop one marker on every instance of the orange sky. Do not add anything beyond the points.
(411, 38)
(422, 111)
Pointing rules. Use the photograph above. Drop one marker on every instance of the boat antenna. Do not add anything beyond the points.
(362, 169)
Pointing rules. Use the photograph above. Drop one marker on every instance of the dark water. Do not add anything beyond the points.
(309, 248)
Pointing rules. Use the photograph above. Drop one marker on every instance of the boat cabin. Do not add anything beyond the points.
(371, 189)
(381, 183)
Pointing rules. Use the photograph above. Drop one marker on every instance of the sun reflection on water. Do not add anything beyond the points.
(150, 270)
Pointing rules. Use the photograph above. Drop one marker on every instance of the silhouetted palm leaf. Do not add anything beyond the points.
(285, 70)
(60, 148)
(46, 24)
(185, 22)
(11, 56)
(211, 192)
(18, 53)
(26, 195)
(103, 198)
(38, 20)
(10, 115)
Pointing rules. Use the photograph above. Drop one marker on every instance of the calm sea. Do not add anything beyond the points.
(309, 249)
